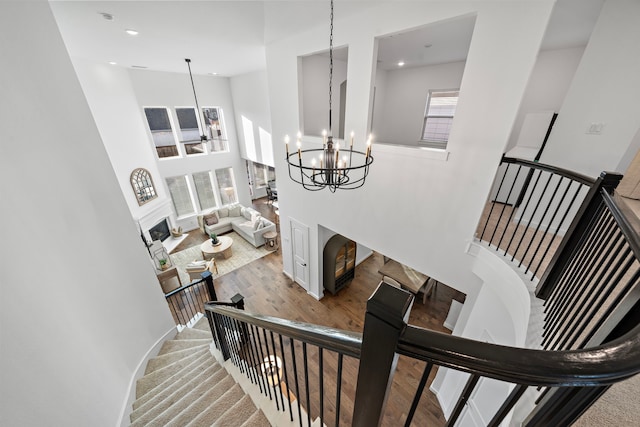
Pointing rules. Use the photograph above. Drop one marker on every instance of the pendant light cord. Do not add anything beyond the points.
(330, 67)
(202, 137)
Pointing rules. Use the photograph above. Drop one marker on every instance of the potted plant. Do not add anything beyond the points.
(214, 239)
(163, 264)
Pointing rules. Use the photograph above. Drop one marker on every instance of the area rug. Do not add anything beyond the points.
(243, 253)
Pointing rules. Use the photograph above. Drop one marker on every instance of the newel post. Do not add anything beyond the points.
(387, 314)
(607, 181)
(208, 281)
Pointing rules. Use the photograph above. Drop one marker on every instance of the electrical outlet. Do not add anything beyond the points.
(595, 128)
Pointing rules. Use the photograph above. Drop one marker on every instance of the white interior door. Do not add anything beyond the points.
(300, 250)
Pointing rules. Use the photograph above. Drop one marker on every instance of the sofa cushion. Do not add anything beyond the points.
(261, 224)
(223, 212)
(235, 210)
(211, 218)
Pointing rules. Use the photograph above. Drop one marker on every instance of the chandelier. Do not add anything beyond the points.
(328, 166)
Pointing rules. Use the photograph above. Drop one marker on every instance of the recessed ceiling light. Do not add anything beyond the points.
(214, 74)
(107, 16)
(428, 45)
(138, 66)
(113, 63)
(401, 64)
(132, 32)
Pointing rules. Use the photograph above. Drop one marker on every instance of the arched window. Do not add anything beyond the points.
(142, 185)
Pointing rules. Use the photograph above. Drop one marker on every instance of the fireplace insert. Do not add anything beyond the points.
(160, 231)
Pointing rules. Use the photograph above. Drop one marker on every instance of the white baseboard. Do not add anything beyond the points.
(139, 373)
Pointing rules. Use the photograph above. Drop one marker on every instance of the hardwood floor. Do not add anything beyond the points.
(267, 290)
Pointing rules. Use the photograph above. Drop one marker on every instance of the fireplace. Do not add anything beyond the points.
(160, 231)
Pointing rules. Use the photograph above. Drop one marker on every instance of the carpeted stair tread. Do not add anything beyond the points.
(203, 325)
(167, 359)
(193, 334)
(162, 377)
(170, 387)
(165, 411)
(176, 345)
(178, 390)
(258, 419)
(217, 408)
(237, 414)
(201, 401)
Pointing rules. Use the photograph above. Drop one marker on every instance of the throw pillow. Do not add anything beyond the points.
(254, 217)
(256, 224)
(245, 212)
(234, 210)
(223, 212)
(261, 224)
(210, 219)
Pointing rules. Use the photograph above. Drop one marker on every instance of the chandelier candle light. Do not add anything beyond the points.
(318, 168)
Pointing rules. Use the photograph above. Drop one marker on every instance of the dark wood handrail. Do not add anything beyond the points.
(182, 288)
(602, 365)
(575, 176)
(341, 341)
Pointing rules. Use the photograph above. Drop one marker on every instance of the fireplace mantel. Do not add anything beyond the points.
(162, 211)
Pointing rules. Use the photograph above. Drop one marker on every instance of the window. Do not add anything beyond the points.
(204, 190)
(181, 195)
(263, 174)
(226, 186)
(161, 131)
(441, 107)
(214, 128)
(189, 130)
(142, 186)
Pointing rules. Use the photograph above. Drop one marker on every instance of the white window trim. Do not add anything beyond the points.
(433, 144)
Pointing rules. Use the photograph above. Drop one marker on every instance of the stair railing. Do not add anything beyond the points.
(308, 370)
(530, 209)
(187, 302)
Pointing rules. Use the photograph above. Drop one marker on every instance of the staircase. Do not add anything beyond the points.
(185, 386)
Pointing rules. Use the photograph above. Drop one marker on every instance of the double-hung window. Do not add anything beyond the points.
(438, 118)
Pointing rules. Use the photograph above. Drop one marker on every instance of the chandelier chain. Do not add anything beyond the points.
(330, 67)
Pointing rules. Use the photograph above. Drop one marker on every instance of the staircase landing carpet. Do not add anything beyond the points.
(185, 386)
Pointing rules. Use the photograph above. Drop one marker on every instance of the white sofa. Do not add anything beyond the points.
(247, 222)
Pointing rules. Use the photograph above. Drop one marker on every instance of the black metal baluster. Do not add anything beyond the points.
(306, 380)
(507, 405)
(531, 218)
(418, 395)
(321, 383)
(462, 400)
(526, 205)
(513, 210)
(339, 389)
(504, 206)
(494, 203)
(582, 296)
(555, 233)
(230, 340)
(275, 356)
(295, 377)
(254, 358)
(242, 350)
(262, 358)
(286, 375)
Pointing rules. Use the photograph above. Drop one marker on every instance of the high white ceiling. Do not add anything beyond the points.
(228, 37)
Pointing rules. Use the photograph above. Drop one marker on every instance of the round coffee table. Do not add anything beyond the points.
(221, 251)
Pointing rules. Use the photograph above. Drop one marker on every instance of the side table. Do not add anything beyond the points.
(271, 240)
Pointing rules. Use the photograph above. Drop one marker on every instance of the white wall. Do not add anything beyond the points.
(548, 85)
(605, 89)
(417, 208)
(314, 72)
(253, 116)
(155, 88)
(80, 303)
(401, 114)
(121, 124)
